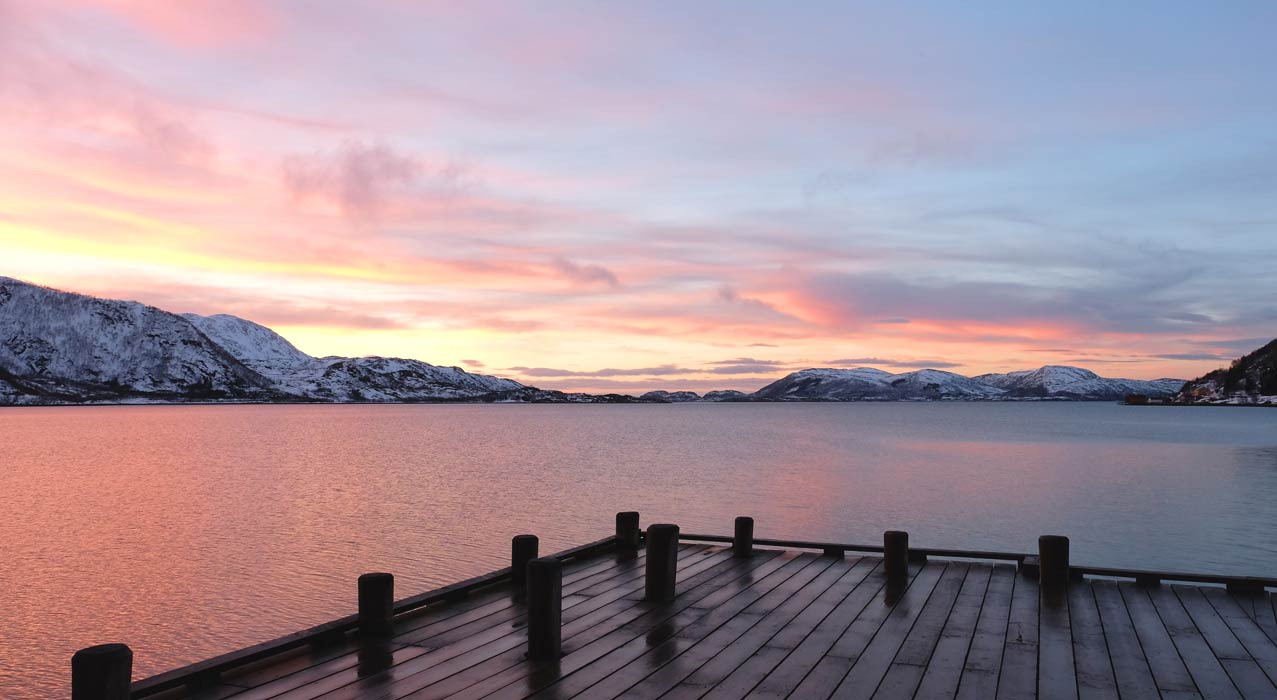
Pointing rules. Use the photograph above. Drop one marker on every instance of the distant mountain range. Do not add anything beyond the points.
(1050, 382)
(58, 347)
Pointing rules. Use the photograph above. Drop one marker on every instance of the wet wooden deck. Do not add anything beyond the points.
(785, 624)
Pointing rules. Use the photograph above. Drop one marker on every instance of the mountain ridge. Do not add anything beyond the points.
(61, 347)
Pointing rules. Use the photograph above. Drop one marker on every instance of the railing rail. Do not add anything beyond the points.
(1018, 557)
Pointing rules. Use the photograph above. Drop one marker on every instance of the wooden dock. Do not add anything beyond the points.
(755, 618)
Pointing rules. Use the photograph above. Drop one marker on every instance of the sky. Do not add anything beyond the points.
(613, 196)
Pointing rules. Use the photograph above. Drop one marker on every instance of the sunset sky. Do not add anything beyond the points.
(627, 196)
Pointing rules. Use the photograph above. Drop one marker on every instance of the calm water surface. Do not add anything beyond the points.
(191, 531)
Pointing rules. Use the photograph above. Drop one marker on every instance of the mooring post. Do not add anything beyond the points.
(545, 608)
(627, 530)
(103, 672)
(662, 562)
(376, 604)
(743, 541)
(1053, 561)
(895, 554)
(523, 549)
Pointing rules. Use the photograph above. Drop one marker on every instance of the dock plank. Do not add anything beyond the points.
(871, 660)
(910, 663)
(1130, 668)
(580, 670)
(944, 669)
(781, 681)
(1091, 662)
(1210, 677)
(980, 672)
(710, 661)
(1252, 638)
(1057, 669)
(1250, 679)
(1169, 672)
(1019, 676)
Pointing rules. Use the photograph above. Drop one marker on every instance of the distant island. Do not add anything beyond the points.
(60, 348)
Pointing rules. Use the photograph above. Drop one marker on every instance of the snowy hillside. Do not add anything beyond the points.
(1250, 379)
(57, 347)
(867, 384)
(1059, 381)
(61, 346)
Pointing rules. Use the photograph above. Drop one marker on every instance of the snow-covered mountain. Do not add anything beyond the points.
(56, 346)
(60, 347)
(341, 378)
(870, 384)
(660, 396)
(1057, 381)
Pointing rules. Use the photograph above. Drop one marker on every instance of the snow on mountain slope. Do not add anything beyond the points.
(937, 384)
(1058, 381)
(255, 345)
(822, 384)
(59, 344)
(62, 347)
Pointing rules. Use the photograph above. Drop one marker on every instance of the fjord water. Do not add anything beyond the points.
(188, 531)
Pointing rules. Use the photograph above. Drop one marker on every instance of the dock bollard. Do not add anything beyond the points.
(376, 604)
(545, 608)
(103, 672)
(895, 554)
(1053, 561)
(662, 562)
(743, 541)
(627, 530)
(523, 549)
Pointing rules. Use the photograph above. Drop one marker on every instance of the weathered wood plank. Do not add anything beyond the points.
(1130, 668)
(1169, 671)
(1209, 676)
(590, 664)
(984, 657)
(1057, 669)
(1253, 639)
(709, 660)
(1242, 669)
(1262, 613)
(944, 669)
(1019, 676)
(832, 668)
(907, 668)
(1095, 679)
(871, 660)
(791, 671)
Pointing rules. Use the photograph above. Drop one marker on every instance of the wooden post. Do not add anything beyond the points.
(627, 530)
(662, 562)
(376, 604)
(523, 549)
(103, 672)
(895, 554)
(1053, 561)
(545, 608)
(743, 542)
